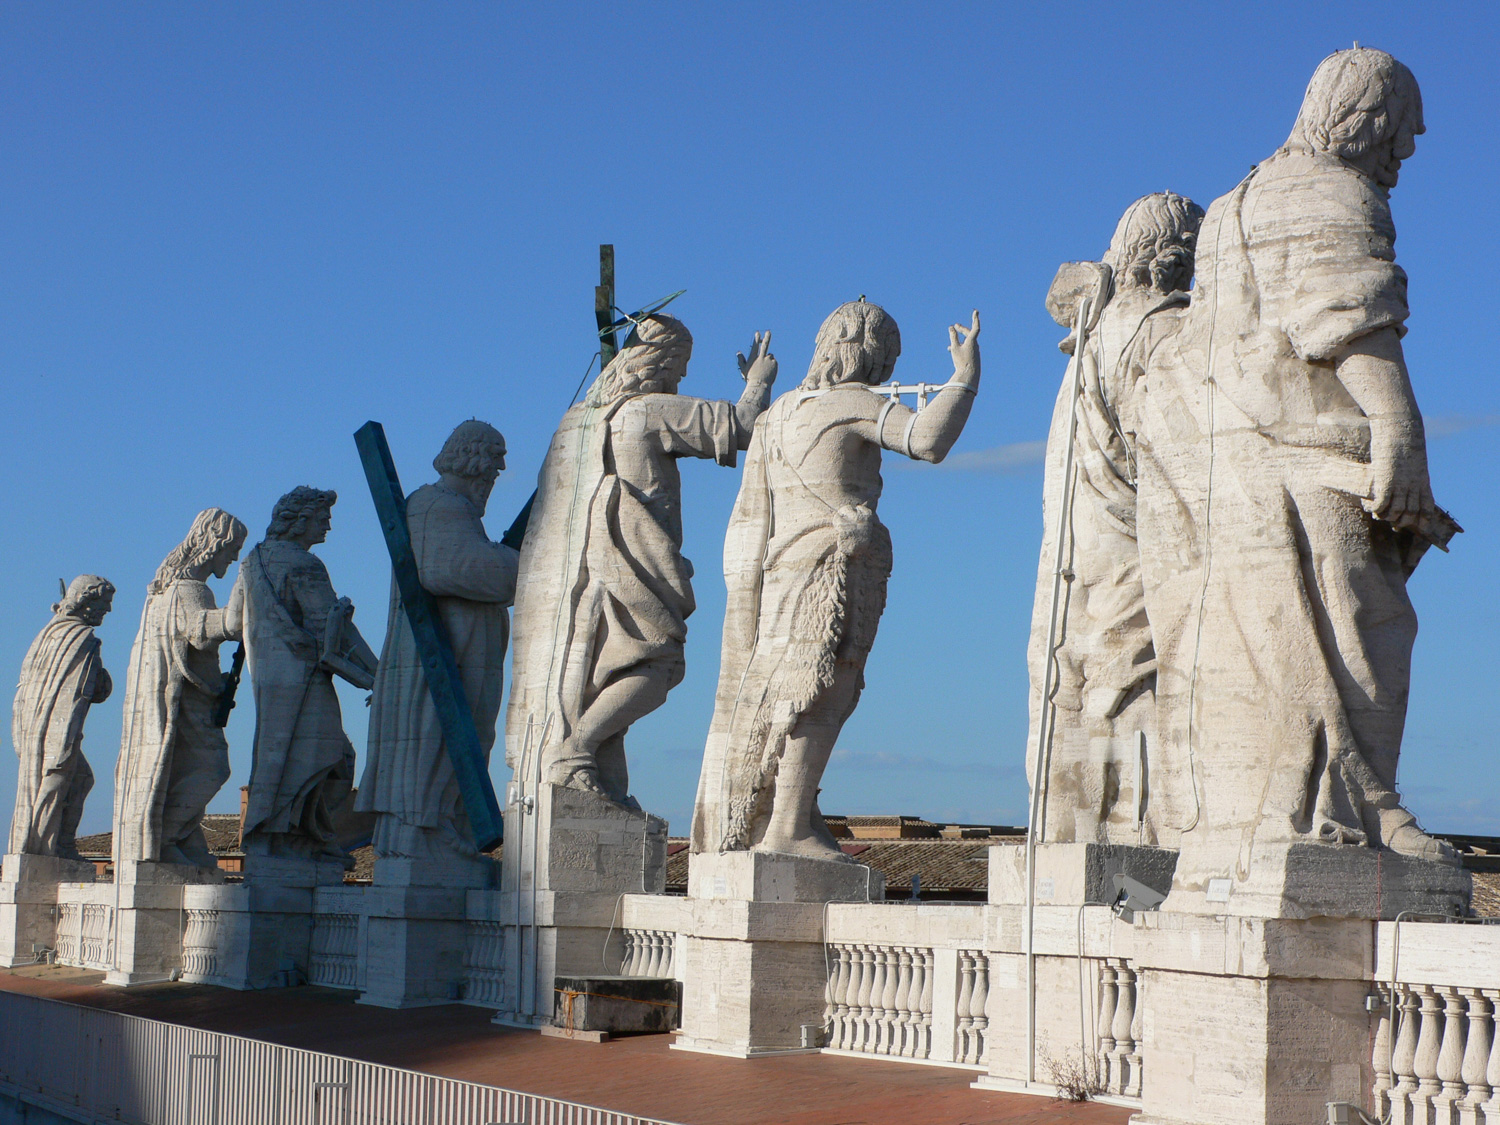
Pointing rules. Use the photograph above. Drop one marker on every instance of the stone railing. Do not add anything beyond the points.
(200, 943)
(69, 933)
(484, 963)
(648, 953)
(1442, 1064)
(334, 962)
(1118, 1032)
(973, 997)
(880, 1000)
(85, 934)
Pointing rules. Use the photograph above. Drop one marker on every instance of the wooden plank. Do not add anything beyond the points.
(460, 735)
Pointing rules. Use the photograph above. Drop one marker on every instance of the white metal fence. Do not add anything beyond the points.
(93, 1065)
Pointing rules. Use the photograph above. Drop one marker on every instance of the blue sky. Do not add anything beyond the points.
(234, 233)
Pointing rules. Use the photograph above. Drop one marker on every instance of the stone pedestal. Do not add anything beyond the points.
(150, 918)
(753, 960)
(414, 931)
(28, 904)
(570, 857)
(1312, 880)
(255, 934)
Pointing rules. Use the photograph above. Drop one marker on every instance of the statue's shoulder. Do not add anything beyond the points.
(1313, 189)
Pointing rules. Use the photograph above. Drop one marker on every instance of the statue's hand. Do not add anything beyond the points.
(963, 346)
(761, 367)
(1402, 492)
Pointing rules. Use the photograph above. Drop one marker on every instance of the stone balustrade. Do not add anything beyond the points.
(971, 1009)
(1118, 1032)
(200, 943)
(85, 934)
(1440, 1062)
(484, 963)
(880, 1000)
(334, 962)
(649, 953)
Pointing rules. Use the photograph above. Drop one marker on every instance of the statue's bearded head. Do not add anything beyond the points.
(302, 516)
(89, 598)
(653, 361)
(1363, 107)
(474, 454)
(1154, 244)
(212, 543)
(858, 343)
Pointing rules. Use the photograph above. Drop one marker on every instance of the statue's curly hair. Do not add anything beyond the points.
(657, 338)
(1356, 100)
(82, 590)
(1154, 244)
(858, 343)
(474, 449)
(213, 528)
(289, 517)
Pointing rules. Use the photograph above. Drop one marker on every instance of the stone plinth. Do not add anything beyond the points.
(255, 934)
(570, 858)
(1313, 880)
(753, 959)
(28, 904)
(1075, 874)
(150, 919)
(616, 1005)
(414, 932)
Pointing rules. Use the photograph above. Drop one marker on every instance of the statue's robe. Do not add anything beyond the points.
(61, 677)
(173, 757)
(409, 780)
(1278, 605)
(1105, 662)
(605, 590)
(806, 588)
(303, 763)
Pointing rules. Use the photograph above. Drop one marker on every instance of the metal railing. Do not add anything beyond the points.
(86, 1064)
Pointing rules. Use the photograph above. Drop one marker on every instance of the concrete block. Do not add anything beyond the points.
(617, 1005)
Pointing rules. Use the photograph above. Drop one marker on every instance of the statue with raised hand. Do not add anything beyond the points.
(806, 561)
(605, 592)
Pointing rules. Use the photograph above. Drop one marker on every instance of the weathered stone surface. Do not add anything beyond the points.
(61, 677)
(1098, 714)
(617, 1005)
(298, 635)
(806, 560)
(173, 754)
(1074, 874)
(28, 903)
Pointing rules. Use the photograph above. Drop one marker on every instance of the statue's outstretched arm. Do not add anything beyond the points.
(759, 372)
(930, 434)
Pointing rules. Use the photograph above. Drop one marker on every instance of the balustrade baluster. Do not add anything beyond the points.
(1109, 1000)
(1381, 1053)
(1476, 1057)
(889, 1014)
(1133, 1061)
(978, 1005)
(1429, 1044)
(928, 963)
(1121, 1031)
(1451, 1053)
(965, 997)
(1404, 1060)
(863, 1024)
(901, 1034)
(838, 1030)
(1491, 1105)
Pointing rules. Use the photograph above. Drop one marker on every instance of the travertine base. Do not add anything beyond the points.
(413, 929)
(752, 961)
(1074, 874)
(572, 858)
(1251, 1021)
(149, 918)
(257, 934)
(1312, 880)
(28, 903)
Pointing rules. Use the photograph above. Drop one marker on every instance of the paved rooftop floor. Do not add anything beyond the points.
(636, 1075)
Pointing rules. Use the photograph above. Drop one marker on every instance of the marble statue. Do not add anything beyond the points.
(1103, 690)
(61, 677)
(1284, 496)
(408, 781)
(298, 636)
(806, 560)
(173, 753)
(605, 591)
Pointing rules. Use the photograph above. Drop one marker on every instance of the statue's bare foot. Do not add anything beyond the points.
(808, 846)
(1410, 840)
(586, 779)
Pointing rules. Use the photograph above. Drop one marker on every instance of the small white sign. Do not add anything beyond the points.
(1218, 890)
(721, 887)
(1046, 887)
